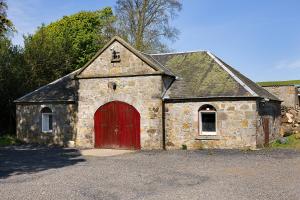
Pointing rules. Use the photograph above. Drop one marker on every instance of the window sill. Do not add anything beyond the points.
(47, 132)
(208, 137)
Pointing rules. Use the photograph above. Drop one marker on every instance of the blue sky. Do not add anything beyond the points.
(260, 38)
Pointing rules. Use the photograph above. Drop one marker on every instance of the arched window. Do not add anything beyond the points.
(207, 120)
(47, 120)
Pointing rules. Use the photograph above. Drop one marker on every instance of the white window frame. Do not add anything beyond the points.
(46, 119)
(200, 123)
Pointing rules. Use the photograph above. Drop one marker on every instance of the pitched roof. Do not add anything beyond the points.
(198, 75)
(202, 75)
(60, 90)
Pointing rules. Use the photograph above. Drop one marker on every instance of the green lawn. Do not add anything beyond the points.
(293, 142)
(279, 83)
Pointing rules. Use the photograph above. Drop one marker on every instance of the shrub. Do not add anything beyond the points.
(7, 140)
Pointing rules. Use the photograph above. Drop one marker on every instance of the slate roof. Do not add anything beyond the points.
(198, 75)
(61, 90)
(203, 75)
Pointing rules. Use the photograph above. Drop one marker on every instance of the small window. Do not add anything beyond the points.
(207, 120)
(47, 120)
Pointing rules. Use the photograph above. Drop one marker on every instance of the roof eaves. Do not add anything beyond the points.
(247, 88)
(274, 85)
(166, 98)
(45, 102)
(181, 52)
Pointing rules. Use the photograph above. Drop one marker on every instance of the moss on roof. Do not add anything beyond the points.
(199, 76)
(279, 83)
(261, 92)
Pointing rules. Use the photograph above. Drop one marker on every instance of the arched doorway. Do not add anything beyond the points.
(117, 125)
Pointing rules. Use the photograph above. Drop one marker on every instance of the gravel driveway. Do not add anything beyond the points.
(53, 173)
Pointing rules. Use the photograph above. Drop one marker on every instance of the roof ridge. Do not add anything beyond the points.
(247, 88)
(165, 68)
(171, 53)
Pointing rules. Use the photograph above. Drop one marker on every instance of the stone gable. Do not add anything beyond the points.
(130, 64)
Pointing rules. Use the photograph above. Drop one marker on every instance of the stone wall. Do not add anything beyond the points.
(142, 92)
(236, 125)
(272, 112)
(129, 64)
(288, 94)
(29, 123)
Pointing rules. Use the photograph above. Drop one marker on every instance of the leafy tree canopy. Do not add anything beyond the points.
(13, 81)
(5, 24)
(67, 44)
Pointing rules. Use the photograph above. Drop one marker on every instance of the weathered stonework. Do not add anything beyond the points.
(239, 124)
(271, 112)
(142, 92)
(129, 64)
(288, 94)
(29, 119)
(236, 125)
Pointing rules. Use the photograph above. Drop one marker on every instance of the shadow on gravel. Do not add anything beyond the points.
(15, 160)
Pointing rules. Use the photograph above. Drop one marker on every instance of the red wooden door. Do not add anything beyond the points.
(117, 125)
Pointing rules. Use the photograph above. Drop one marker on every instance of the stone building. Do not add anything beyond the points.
(286, 91)
(123, 98)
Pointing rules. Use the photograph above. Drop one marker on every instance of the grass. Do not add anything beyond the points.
(7, 140)
(292, 143)
(279, 83)
(184, 147)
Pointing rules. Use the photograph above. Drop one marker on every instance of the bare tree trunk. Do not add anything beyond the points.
(141, 22)
(146, 23)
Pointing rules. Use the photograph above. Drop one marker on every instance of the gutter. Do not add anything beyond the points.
(164, 125)
(210, 98)
(121, 75)
(46, 102)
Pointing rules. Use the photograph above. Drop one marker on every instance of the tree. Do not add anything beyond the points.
(146, 23)
(5, 24)
(13, 81)
(67, 44)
